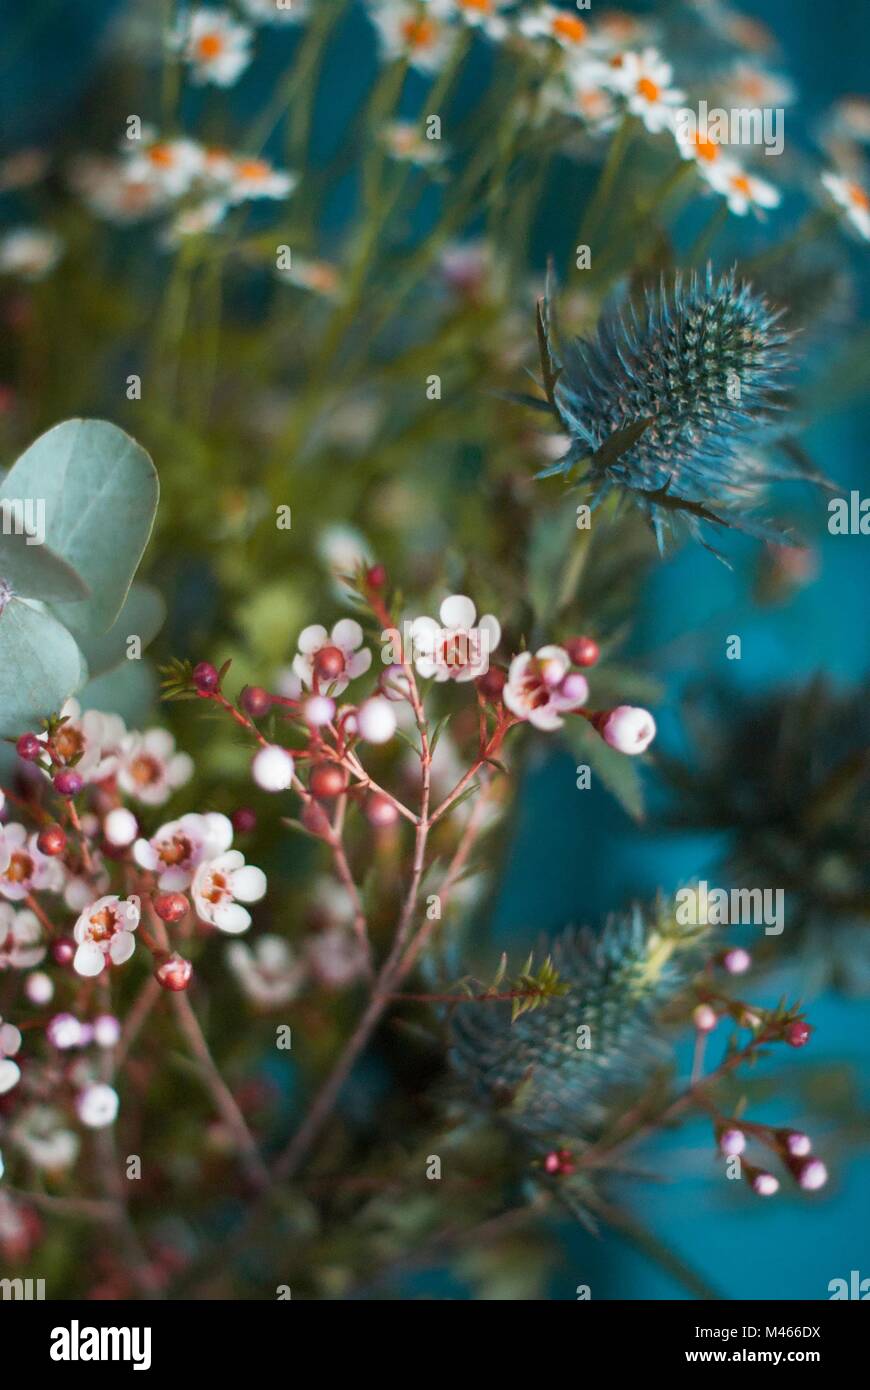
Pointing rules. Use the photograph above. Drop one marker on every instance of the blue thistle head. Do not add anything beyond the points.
(533, 1069)
(672, 401)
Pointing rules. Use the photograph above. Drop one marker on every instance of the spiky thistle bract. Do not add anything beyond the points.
(673, 402)
(537, 1070)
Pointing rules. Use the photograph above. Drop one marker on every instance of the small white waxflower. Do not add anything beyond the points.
(28, 870)
(257, 178)
(542, 687)
(217, 48)
(221, 885)
(336, 957)
(107, 188)
(97, 1105)
(408, 141)
(107, 1030)
(568, 30)
(351, 659)
(65, 1031)
(176, 850)
(5, 847)
(39, 988)
(41, 1134)
(120, 827)
(104, 933)
(407, 31)
(320, 277)
(375, 720)
(172, 165)
(276, 11)
(629, 730)
(644, 80)
(459, 649)
(268, 972)
(29, 253)
(10, 1043)
(20, 933)
(742, 191)
(273, 768)
(855, 201)
(92, 737)
(485, 15)
(149, 769)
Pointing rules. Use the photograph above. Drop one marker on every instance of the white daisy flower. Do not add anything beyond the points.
(197, 220)
(853, 198)
(583, 91)
(568, 30)
(459, 648)
(541, 688)
(747, 84)
(406, 31)
(349, 658)
(742, 191)
(257, 178)
(276, 11)
(486, 15)
(176, 850)
(321, 277)
(149, 769)
(10, 1043)
(173, 165)
(217, 48)
(28, 870)
(104, 933)
(29, 253)
(107, 188)
(219, 887)
(20, 939)
(268, 973)
(644, 80)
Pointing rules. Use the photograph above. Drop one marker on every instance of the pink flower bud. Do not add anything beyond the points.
(796, 1143)
(272, 768)
(765, 1184)
(375, 720)
(732, 1142)
(810, 1172)
(704, 1018)
(737, 961)
(120, 827)
(628, 729)
(318, 710)
(575, 688)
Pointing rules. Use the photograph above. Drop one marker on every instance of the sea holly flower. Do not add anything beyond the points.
(691, 383)
(268, 972)
(252, 177)
(459, 648)
(220, 886)
(343, 645)
(10, 1044)
(29, 253)
(644, 80)
(28, 870)
(20, 939)
(175, 851)
(541, 687)
(104, 933)
(217, 48)
(410, 32)
(849, 195)
(149, 769)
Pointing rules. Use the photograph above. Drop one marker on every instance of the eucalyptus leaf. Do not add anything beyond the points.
(100, 491)
(36, 571)
(142, 616)
(40, 666)
(619, 772)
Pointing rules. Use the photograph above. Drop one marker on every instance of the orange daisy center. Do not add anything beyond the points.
(741, 184)
(252, 169)
(210, 46)
(569, 28)
(859, 197)
(706, 149)
(648, 89)
(161, 155)
(419, 33)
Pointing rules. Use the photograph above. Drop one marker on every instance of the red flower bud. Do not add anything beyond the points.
(51, 840)
(256, 701)
(327, 780)
(583, 651)
(380, 811)
(797, 1034)
(376, 577)
(68, 782)
(205, 677)
(244, 820)
(492, 683)
(174, 972)
(171, 907)
(29, 748)
(329, 663)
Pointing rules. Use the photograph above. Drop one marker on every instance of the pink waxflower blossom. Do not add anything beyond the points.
(336, 957)
(459, 648)
(27, 869)
(20, 939)
(10, 1043)
(97, 1105)
(92, 737)
(628, 730)
(221, 885)
(176, 850)
(268, 972)
(346, 636)
(149, 768)
(541, 688)
(104, 933)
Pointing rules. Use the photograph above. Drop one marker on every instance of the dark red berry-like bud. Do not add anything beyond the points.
(68, 782)
(583, 651)
(380, 811)
(327, 780)
(376, 577)
(329, 663)
(51, 840)
(174, 973)
(492, 683)
(244, 820)
(256, 701)
(63, 950)
(171, 907)
(797, 1034)
(205, 677)
(29, 748)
